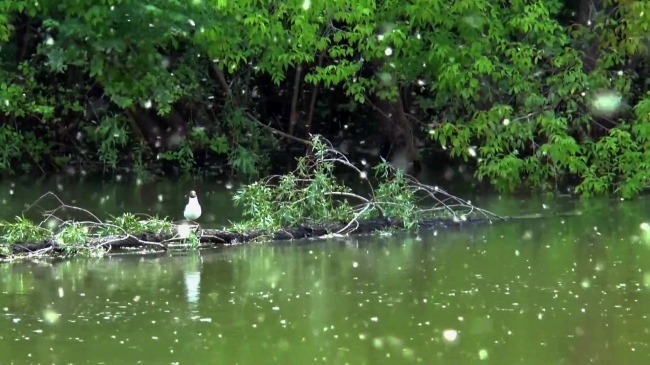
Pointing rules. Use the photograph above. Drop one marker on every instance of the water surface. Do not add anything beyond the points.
(559, 290)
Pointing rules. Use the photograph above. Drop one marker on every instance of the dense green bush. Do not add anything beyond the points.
(539, 94)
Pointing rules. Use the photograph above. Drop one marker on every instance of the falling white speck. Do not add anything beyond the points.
(49, 40)
(51, 316)
(606, 103)
(506, 122)
(355, 264)
(306, 4)
(147, 104)
(388, 51)
(228, 185)
(160, 198)
(374, 319)
(363, 175)
(482, 354)
(191, 22)
(60, 292)
(51, 224)
(378, 342)
(471, 151)
(645, 227)
(380, 37)
(450, 335)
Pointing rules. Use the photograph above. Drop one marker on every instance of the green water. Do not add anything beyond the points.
(165, 198)
(563, 290)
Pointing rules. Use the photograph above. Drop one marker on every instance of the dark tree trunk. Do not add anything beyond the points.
(396, 131)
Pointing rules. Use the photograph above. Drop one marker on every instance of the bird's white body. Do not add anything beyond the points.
(193, 208)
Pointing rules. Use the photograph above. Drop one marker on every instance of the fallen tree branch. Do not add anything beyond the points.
(318, 206)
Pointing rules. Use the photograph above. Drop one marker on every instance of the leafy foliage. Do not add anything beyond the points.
(80, 237)
(312, 194)
(396, 196)
(23, 231)
(309, 195)
(533, 92)
(135, 225)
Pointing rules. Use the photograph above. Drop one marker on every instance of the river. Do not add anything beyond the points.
(557, 290)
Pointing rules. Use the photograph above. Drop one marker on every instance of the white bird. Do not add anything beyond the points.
(193, 208)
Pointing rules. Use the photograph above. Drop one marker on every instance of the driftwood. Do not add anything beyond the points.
(212, 238)
(435, 209)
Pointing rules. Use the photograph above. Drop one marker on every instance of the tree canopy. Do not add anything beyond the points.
(535, 93)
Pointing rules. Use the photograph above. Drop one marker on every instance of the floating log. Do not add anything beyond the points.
(212, 238)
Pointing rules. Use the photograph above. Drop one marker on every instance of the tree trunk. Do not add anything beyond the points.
(396, 131)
